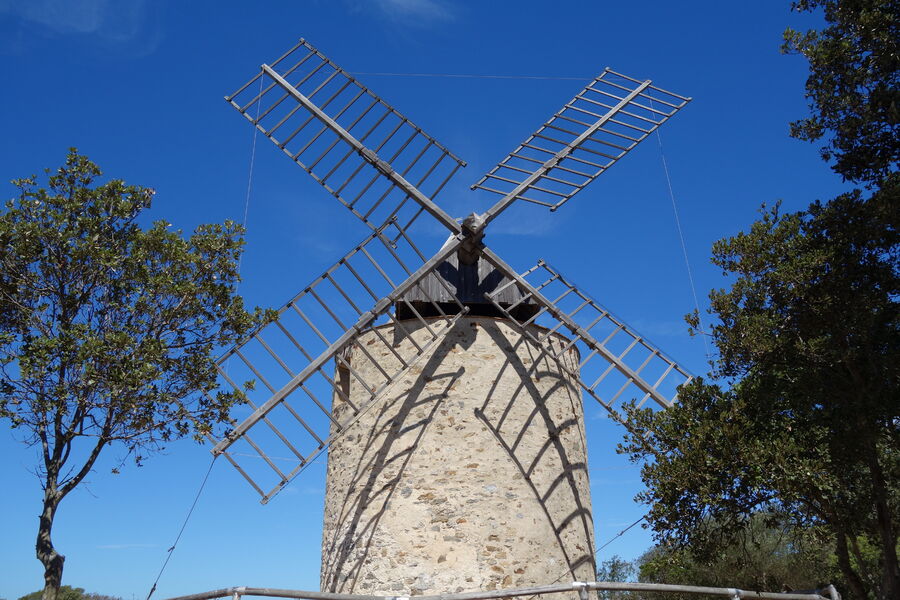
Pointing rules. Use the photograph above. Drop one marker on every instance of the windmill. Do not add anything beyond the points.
(447, 388)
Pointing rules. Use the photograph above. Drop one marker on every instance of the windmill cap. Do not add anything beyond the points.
(453, 282)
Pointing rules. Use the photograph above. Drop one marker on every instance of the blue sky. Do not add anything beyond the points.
(138, 86)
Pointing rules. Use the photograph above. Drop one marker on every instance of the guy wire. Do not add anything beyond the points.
(696, 305)
(618, 535)
(249, 188)
(250, 173)
(240, 260)
(183, 525)
(687, 262)
(597, 551)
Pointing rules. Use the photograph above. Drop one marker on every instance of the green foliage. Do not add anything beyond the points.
(615, 569)
(765, 555)
(853, 87)
(799, 425)
(107, 328)
(67, 592)
(809, 341)
(106, 319)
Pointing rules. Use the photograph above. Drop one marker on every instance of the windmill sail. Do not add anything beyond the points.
(599, 126)
(290, 363)
(617, 364)
(363, 151)
(296, 371)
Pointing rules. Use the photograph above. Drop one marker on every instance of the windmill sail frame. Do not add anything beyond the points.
(347, 138)
(375, 164)
(333, 298)
(578, 143)
(580, 326)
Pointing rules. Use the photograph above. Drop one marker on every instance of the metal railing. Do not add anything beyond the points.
(583, 588)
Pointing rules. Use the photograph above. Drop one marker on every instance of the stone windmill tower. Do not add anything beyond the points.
(448, 389)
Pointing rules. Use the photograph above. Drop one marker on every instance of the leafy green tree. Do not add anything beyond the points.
(801, 417)
(67, 592)
(615, 568)
(766, 555)
(809, 347)
(107, 329)
(853, 86)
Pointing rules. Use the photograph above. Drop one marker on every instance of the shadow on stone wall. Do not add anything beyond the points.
(562, 431)
(345, 555)
(546, 449)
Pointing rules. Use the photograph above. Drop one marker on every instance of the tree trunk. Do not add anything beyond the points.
(44, 550)
(857, 588)
(890, 574)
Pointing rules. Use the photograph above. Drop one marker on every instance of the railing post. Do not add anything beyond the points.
(582, 589)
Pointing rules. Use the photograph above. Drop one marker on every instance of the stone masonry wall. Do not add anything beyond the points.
(471, 475)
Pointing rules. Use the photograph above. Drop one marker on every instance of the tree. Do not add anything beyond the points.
(767, 555)
(809, 347)
(615, 568)
(801, 417)
(67, 592)
(106, 329)
(853, 86)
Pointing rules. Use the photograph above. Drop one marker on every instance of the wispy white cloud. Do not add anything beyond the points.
(615, 468)
(124, 546)
(607, 482)
(414, 12)
(418, 9)
(613, 524)
(297, 490)
(601, 413)
(661, 328)
(321, 244)
(58, 15)
(536, 227)
(525, 219)
(115, 22)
